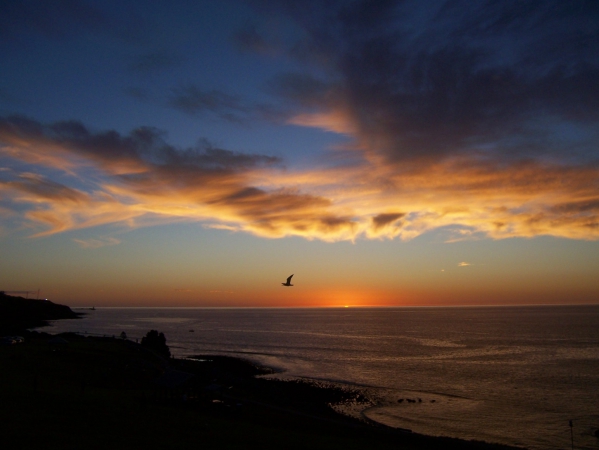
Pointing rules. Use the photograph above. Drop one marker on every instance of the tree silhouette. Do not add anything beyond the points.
(157, 342)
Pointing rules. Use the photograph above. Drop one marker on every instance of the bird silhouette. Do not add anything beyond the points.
(288, 283)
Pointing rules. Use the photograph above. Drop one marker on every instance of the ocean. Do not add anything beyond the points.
(509, 375)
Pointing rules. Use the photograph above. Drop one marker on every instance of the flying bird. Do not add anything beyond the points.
(288, 281)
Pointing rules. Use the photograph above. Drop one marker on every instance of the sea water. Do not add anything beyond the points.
(510, 375)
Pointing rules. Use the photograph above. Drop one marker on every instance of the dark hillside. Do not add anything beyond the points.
(18, 313)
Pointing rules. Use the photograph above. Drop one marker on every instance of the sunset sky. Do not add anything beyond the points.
(197, 153)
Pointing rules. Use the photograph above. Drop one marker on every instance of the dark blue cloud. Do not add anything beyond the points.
(193, 100)
(430, 80)
(142, 147)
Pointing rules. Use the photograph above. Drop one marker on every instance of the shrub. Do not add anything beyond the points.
(156, 342)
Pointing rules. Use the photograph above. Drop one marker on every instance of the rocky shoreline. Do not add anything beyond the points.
(70, 385)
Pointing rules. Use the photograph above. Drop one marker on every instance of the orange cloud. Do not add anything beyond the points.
(97, 243)
(139, 180)
(335, 121)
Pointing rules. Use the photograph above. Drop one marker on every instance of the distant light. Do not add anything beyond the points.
(347, 306)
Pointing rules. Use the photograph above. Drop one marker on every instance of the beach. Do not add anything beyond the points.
(509, 375)
(67, 390)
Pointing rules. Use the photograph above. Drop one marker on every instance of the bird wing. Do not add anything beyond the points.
(289, 279)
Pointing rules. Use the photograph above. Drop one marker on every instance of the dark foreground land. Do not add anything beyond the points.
(70, 391)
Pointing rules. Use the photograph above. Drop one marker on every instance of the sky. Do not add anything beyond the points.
(386, 153)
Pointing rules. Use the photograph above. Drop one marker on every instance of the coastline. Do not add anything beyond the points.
(217, 393)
